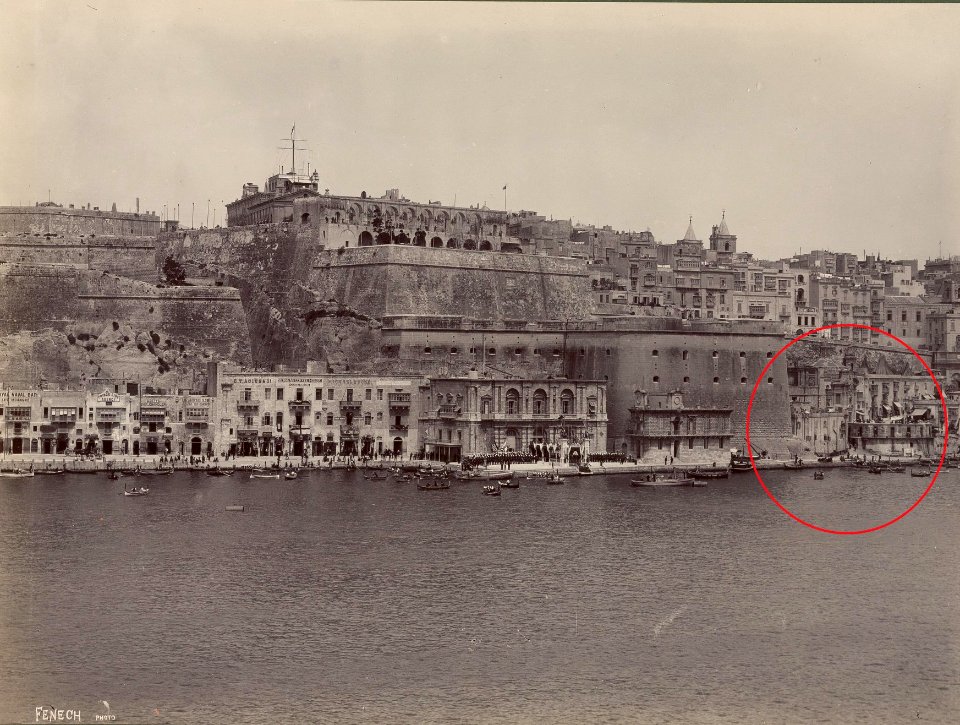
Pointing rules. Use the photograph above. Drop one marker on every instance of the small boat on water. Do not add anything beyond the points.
(510, 484)
(155, 472)
(114, 476)
(825, 459)
(217, 472)
(496, 475)
(16, 473)
(263, 474)
(491, 490)
(290, 475)
(921, 472)
(897, 469)
(433, 486)
(707, 474)
(652, 480)
(793, 465)
(876, 470)
(585, 470)
(49, 472)
(376, 476)
(555, 479)
(818, 475)
(141, 491)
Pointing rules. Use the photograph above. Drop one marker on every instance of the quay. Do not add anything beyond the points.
(41, 462)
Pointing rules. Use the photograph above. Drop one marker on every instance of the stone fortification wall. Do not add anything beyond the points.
(70, 324)
(76, 222)
(714, 364)
(658, 355)
(303, 301)
(395, 279)
(127, 256)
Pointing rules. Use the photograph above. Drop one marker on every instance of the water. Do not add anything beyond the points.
(335, 599)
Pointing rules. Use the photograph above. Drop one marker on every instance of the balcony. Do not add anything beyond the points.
(350, 406)
(300, 431)
(248, 406)
(394, 427)
(447, 410)
(349, 431)
(200, 418)
(18, 415)
(300, 405)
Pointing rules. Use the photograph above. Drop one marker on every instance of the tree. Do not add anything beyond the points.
(173, 272)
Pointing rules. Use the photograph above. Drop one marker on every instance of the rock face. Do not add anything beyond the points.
(69, 325)
(809, 351)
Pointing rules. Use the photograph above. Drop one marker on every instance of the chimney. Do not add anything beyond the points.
(138, 205)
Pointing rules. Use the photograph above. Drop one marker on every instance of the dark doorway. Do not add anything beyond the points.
(196, 446)
(108, 448)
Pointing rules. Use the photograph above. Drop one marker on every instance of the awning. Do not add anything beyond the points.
(918, 414)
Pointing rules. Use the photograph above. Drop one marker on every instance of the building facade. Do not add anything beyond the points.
(550, 418)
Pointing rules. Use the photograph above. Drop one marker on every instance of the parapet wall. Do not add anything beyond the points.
(127, 256)
(76, 222)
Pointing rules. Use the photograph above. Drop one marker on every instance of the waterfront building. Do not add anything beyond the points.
(546, 417)
(901, 438)
(54, 421)
(663, 426)
(823, 431)
(306, 413)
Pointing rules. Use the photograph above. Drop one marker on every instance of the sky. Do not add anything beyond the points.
(813, 126)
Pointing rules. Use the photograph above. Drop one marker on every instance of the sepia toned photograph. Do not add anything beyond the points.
(479, 362)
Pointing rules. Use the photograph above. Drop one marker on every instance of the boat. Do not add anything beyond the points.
(16, 473)
(433, 486)
(491, 490)
(707, 474)
(510, 484)
(157, 472)
(921, 473)
(698, 484)
(818, 475)
(217, 472)
(654, 481)
(825, 459)
(114, 476)
(740, 462)
(793, 465)
(555, 479)
(585, 470)
(141, 491)
(263, 474)
(49, 472)
(496, 475)
(897, 469)
(876, 470)
(382, 476)
(290, 475)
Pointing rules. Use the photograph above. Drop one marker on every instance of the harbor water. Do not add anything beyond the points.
(332, 598)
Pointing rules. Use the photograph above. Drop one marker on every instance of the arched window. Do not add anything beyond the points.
(513, 401)
(566, 402)
(539, 402)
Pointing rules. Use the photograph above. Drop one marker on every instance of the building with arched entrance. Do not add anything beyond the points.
(549, 418)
